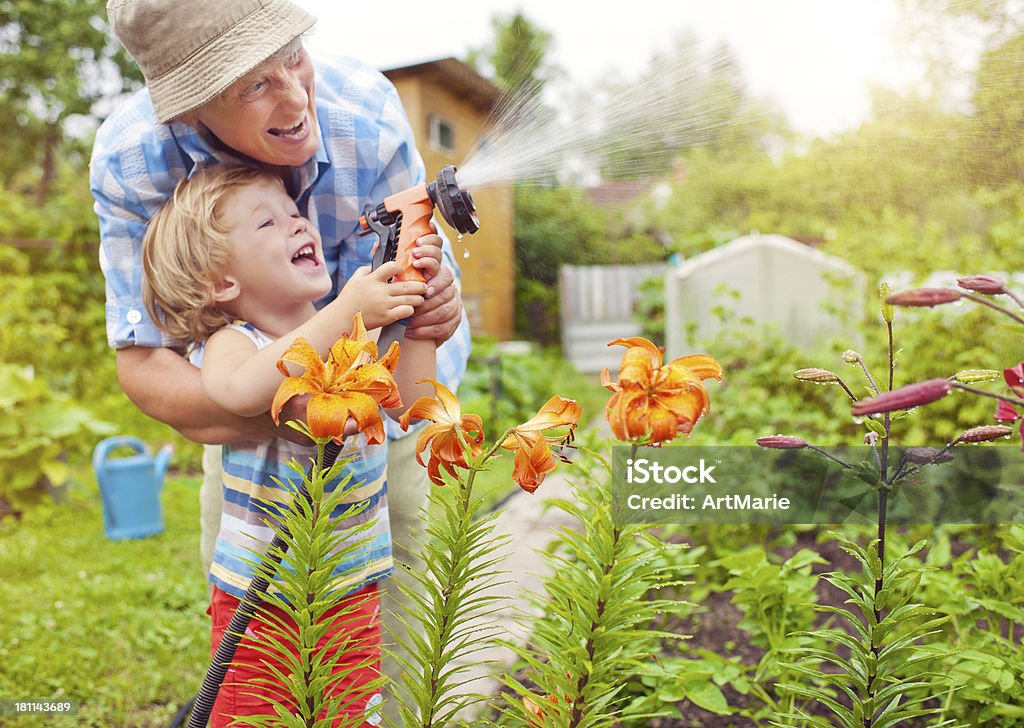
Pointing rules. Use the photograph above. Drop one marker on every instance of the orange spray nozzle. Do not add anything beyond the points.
(405, 216)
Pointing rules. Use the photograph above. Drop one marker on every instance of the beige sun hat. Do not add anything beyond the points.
(191, 50)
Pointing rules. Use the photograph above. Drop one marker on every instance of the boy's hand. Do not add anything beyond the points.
(426, 257)
(381, 302)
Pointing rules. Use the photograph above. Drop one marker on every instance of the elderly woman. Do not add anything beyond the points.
(229, 81)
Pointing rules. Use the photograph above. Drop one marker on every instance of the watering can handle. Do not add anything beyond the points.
(103, 449)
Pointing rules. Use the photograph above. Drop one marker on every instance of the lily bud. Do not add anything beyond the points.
(986, 433)
(923, 455)
(924, 297)
(913, 395)
(989, 285)
(819, 376)
(887, 310)
(782, 442)
(973, 376)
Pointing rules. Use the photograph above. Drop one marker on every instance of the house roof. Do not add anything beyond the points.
(458, 75)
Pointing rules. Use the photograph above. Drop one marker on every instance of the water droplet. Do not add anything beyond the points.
(459, 238)
(465, 253)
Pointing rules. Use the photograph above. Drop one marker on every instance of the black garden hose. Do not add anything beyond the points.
(203, 703)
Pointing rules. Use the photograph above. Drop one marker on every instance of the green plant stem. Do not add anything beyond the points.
(1015, 298)
(871, 379)
(432, 676)
(994, 306)
(432, 672)
(984, 393)
(846, 388)
(315, 504)
(829, 455)
(576, 711)
(892, 354)
(883, 505)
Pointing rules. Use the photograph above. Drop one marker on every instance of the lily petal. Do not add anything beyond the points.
(291, 387)
(304, 355)
(702, 365)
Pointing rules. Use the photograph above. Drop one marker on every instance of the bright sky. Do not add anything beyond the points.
(816, 58)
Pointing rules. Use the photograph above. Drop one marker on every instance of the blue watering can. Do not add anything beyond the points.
(130, 487)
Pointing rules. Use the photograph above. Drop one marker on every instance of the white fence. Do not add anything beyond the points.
(598, 305)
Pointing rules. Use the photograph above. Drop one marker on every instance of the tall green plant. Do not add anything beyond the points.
(599, 609)
(599, 635)
(443, 622)
(301, 674)
(878, 685)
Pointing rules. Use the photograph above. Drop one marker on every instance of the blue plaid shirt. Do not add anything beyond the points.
(366, 153)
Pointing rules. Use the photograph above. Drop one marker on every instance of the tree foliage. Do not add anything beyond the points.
(59, 61)
(516, 58)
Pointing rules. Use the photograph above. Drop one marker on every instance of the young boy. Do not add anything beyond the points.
(233, 268)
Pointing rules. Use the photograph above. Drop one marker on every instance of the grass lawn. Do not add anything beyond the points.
(119, 626)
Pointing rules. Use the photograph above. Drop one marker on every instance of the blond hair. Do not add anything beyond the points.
(186, 248)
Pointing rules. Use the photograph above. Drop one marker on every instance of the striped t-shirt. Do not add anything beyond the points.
(251, 497)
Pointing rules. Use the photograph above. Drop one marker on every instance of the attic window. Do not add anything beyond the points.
(442, 133)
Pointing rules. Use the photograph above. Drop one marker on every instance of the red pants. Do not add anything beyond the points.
(236, 697)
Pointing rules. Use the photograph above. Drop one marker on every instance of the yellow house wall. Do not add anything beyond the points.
(488, 274)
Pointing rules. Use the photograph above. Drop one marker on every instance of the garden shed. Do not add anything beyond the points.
(762, 279)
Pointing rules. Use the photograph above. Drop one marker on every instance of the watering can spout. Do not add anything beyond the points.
(163, 459)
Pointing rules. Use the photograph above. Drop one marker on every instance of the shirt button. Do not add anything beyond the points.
(134, 317)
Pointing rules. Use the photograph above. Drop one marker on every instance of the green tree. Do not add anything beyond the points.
(516, 58)
(59, 61)
(999, 114)
(554, 227)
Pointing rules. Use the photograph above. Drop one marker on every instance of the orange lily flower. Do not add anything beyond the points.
(534, 713)
(443, 436)
(533, 458)
(655, 400)
(351, 383)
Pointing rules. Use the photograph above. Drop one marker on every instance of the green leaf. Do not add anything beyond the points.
(705, 694)
(874, 426)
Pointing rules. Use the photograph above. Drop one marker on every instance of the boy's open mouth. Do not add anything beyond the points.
(305, 257)
(295, 132)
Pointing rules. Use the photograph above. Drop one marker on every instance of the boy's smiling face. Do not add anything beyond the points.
(276, 256)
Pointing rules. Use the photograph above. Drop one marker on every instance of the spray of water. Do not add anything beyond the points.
(683, 101)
